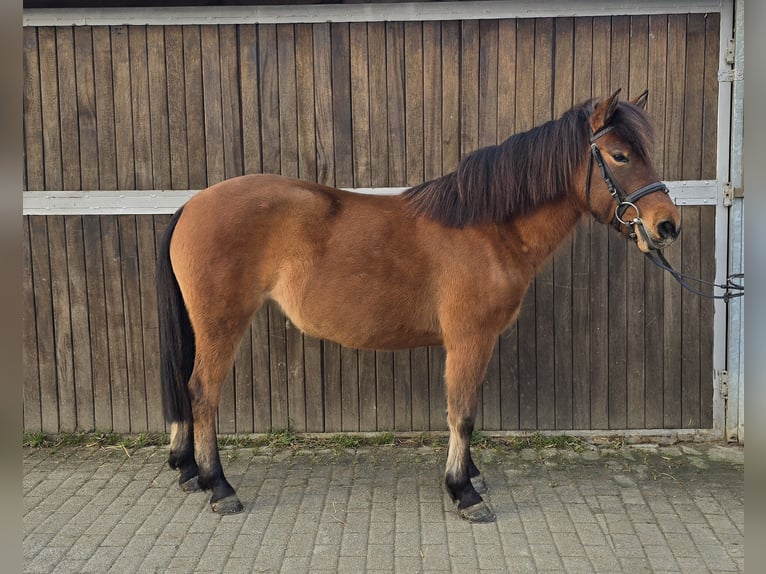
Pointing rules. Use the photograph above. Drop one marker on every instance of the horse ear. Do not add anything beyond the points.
(600, 117)
(641, 100)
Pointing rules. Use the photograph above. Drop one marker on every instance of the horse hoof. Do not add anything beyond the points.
(228, 505)
(479, 513)
(479, 485)
(191, 485)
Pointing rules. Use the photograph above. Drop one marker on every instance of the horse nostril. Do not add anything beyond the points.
(667, 229)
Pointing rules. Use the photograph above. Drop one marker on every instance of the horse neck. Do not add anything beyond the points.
(543, 230)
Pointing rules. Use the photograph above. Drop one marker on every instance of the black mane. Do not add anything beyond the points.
(529, 169)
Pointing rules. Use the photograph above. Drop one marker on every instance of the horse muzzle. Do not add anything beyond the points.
(664, 233)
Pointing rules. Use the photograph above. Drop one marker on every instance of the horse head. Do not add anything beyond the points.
(621, 184)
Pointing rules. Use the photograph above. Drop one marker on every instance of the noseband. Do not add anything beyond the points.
(624, 200)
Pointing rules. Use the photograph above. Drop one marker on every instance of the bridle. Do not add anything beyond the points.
(636, 225)
(624, 200)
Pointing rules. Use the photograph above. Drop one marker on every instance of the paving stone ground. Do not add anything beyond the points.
(641, 508)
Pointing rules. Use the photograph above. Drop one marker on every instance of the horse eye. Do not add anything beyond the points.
(620, 157)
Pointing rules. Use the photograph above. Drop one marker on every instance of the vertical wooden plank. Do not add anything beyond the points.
(324, 106)
(599, 269)
(159, 107)
(362, 176)
(304, 72)
(691, 168)
(527, 349)
(79, 312)
(654, 276)
(506, 114)
(31, 393)
(230, 109)
(425, 391)
(360, 120)
(62, 325)
(269, 86)
(139, 89)
(674, 137)
(415, 126)
(147, 257)
(99, 336)
(360, 103)
(397, 172)
(544, 303)
(49, 96)
(251, 106)
(488, 135)
(707, 215)
(211, 96)
(105, 125)
(70, 138)
(382, 369)
(131, 304)
(46, 345)
(86, 107)
(252, 377)
(690, 319)
(176, 85)
(307, 169)
(397, 169)
(288, 133)
(33, 122)
(349, 368)
(393, 369)
(710, 97)
(451, 144)
(195, 112)
(469, 115)
(325, 146)
(581, 300)
(376, 49)
(116, 318)
(636, 284)
(562, 265)
(618, 254)
(123, 115)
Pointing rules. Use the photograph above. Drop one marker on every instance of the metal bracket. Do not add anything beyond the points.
(732, 75)
(730, 52)
(723, 384)
(728, 194)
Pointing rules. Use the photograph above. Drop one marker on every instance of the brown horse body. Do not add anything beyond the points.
(374, 272)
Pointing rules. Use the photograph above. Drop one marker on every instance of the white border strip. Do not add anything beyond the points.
(141, 202)
(406, 11)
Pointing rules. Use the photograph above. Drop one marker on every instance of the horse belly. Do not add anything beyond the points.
(354, 317)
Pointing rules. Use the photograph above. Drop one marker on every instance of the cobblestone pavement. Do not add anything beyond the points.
(641, 508)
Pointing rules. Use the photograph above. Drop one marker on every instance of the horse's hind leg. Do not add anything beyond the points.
(182, 455)
(466, 366)
(211, 366)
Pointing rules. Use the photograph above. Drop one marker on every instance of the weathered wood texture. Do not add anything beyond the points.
(603, 340)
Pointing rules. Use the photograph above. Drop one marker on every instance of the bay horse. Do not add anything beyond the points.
(447, 262)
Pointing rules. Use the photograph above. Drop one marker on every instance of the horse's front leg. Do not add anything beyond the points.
(204, 397)
(465, 370)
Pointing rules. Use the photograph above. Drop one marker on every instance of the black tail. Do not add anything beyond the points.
(176, 336)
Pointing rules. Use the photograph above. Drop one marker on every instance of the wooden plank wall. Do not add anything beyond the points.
(603, 339)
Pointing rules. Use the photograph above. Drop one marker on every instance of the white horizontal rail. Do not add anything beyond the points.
(168, 201)
(406, 11)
